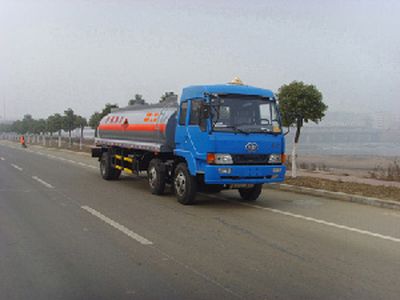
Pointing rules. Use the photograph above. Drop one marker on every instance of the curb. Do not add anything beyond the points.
(336, 195)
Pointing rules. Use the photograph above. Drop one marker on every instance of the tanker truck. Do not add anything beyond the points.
(225, 136)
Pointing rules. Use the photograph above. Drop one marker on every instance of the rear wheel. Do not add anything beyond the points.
(156, 176)
(250, 194)
(185, 185)
(106, 169)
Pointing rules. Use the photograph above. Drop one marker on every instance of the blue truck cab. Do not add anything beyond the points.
(230, 136)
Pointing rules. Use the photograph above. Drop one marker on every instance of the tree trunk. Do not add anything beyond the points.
(59, 139)
(69, 139)
(294, 150)
(294, 166)
(81, 139)
(44, 139)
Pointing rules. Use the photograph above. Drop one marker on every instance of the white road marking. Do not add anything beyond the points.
(331, 224)
(43, 182)
(2, 158)
(16, 167)
(118, 226)
(314, 220)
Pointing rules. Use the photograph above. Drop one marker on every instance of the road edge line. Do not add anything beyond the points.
(336, 195)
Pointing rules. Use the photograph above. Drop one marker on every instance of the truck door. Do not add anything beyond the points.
(191, 135)
(181, 137)
(197, 129)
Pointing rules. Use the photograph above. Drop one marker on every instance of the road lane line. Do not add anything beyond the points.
(2, 158)
(43, 182)
(314, 220)
(323, 222)
(16, 167)
(118, 226)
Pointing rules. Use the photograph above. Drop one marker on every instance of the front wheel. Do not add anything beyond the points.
(250, 194)
(185, 185)
(156, 176)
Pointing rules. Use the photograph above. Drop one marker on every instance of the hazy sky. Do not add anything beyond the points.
(82, 54)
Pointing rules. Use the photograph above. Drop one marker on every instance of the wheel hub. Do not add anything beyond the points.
(152, 177)
(180, 184)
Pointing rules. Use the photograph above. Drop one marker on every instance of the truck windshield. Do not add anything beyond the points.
(244, 114)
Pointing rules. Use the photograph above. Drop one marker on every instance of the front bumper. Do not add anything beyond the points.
(252, 174)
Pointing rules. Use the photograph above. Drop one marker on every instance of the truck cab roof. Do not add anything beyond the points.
(198, 91)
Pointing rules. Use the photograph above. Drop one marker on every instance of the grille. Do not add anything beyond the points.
(250, 159)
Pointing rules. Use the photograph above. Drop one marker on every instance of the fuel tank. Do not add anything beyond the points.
(140, 126)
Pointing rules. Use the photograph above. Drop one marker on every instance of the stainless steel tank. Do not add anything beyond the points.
(147, 127)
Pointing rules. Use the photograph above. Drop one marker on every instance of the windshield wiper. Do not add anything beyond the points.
(236, 129)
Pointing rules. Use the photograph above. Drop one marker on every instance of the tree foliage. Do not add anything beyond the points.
(54, 123)
(300, 103)
(138, 99)
(96, 117)
(80, 122)
(168, 96)
(39, 126)
(69, 120)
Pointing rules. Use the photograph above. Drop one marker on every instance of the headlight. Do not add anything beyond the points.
(219, 159)
(275, 159)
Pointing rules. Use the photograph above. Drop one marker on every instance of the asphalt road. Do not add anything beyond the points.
(67, 234)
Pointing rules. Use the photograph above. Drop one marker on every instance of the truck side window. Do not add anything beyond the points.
(182, 115)
(196, 115)
(195, 112)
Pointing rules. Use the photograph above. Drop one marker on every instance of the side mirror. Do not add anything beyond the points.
(205, 111)
(287, 132)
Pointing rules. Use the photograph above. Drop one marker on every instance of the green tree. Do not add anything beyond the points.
(55, 124)
(137, 100)
(168, 96)
(94, 121)
(96, 117)
(5, 127)
(39, 126)
(81, 122)
(300, 103)
(27, 124)
(17, 127)
(69, 123)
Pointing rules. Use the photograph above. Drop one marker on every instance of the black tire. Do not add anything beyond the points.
(251, 194)
(156, 176)
(185, 185)
(106, 169)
